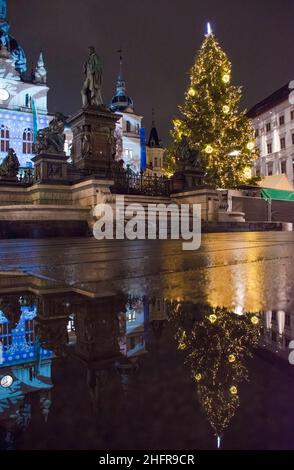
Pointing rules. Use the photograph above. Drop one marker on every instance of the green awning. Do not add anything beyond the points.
(277, 194)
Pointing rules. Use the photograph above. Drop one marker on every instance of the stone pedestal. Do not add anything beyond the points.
(50, 168)
(8, 179)
(187, 180)
(94, 145)
(208, 198)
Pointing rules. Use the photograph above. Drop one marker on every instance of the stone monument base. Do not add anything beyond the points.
(51, 168)
(94, 145)
(187, 180)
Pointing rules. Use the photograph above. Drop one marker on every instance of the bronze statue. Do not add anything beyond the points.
(51, 139)
(10, 165)
(92, 88)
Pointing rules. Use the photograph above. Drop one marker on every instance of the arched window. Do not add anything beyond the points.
(4, 138)
(27, 141)
(128, 126)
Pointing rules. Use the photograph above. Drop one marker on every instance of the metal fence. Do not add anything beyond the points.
(141, 184)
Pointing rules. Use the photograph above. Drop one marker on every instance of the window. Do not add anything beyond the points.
(269, 148)
(292, 139)
(283, 143)
(4, 139)
(282, 120)
(257, 172)
(256, 133)
(28, 101)
(156, 162)
(287, 319)
(292, 115)
(274, 315)
(128, 155)
(283, 167)
(268, 127)
(27, 141)
(270, 168)
(274, 336)
(128, 126)
(138, 129)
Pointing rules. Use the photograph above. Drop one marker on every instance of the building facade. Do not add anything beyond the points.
(130, 145)
(273, 121)
(23, 99)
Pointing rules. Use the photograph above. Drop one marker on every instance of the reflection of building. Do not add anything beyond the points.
(273, 121)
(154, 152)
(278, 331)
(132, 329)
(130, 144)
(25, 368)
(19, 95)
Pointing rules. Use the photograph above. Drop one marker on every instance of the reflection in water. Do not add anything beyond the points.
(109, 338)
(217, 343)
(25, 367)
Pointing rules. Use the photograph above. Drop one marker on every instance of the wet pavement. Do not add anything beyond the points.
(139, 345)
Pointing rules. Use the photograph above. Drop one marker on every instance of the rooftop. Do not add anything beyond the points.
(268, 103)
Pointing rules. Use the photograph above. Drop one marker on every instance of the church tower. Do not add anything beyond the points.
(129, 127)
(155, 151)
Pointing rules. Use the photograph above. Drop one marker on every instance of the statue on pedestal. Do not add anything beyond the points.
(92, 88)
(51, 139)
(10, 165)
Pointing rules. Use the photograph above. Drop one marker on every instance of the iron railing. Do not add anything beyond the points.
(127, 182)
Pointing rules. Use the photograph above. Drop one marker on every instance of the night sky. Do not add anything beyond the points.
(160, 39)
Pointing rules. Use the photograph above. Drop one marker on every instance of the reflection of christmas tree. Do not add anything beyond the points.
(217, 345)
(211, 122)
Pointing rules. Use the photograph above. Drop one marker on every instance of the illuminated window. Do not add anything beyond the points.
(5, 138)
(132, 316)
(128, 154)
(27, 141)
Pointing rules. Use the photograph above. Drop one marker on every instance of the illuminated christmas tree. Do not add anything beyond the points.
(217, 346)
(211, 121)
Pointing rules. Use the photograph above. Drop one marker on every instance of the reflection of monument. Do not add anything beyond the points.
(216, 343)
(158, 316)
